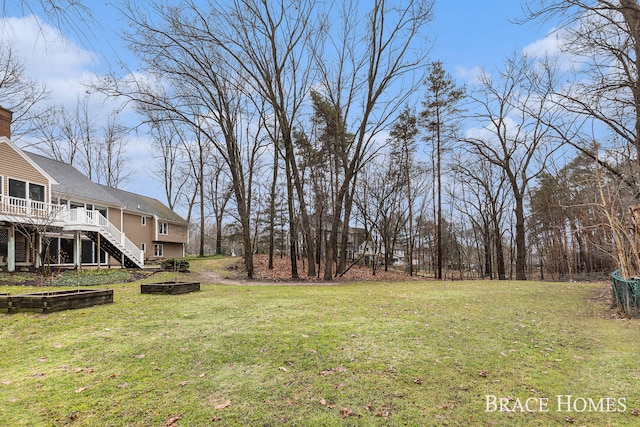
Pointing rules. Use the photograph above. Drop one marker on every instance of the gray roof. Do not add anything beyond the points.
(74, 184)
(142, 204)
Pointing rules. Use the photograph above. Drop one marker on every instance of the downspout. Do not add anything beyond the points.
(155, 228)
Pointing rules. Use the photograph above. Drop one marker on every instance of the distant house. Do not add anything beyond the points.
(371, 251)
(85, 223)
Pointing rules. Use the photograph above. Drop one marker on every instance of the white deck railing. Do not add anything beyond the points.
(39, 212)
(30, 209)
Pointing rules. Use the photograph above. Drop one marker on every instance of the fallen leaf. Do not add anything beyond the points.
(78, 370)
(344, 412)
(184, 383)
(139, 356)
(384, 413)
(282, 368)
(417, 381)
(81, 389)
(570, 420)
(123, 385)
(482, 374)
(323, 402)
(216, 418)
(172, 422)
(222, 405)
(337, 386)
(202, 375)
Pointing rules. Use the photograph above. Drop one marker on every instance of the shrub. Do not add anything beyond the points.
(175, 264)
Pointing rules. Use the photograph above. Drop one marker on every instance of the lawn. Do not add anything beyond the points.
(418, 353)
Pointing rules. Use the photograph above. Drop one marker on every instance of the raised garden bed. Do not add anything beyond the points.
(169, 287)
(56, 300)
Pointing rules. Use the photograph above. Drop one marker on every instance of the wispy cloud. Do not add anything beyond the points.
(468, 75)
(49, 57)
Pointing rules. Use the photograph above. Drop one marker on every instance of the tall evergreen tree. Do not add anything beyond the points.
(441, 106)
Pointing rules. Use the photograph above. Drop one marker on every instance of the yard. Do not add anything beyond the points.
(361, 353)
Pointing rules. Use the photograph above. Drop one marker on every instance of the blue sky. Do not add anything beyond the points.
(466, 36)
(472, 34)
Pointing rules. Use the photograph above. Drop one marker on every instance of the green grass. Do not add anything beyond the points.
(359, 354)
(95, 277)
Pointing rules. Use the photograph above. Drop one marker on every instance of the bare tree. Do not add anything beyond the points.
(265, 41)
(18, 93)
(483, 197)
(513, 110)
(219, 191)
(368, 81)
(166, 147)
(111, 168)
(603, 39)
(73, 14)
(193, 81)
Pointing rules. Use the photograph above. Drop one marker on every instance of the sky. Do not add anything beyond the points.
(466, 36)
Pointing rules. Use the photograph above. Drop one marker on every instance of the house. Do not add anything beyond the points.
(50, 213)
(371, 251)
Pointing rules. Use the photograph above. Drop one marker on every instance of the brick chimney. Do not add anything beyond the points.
(5, 122)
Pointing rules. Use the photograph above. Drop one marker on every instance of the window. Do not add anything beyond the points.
(158, 250)
(1, 183)
(143, 247)
(36, 192)
(163, 228)
(144, 221)
(17, 188)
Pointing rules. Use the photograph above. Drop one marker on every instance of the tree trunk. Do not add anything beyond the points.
(293, 233)
(272, 206)
(521, 248)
